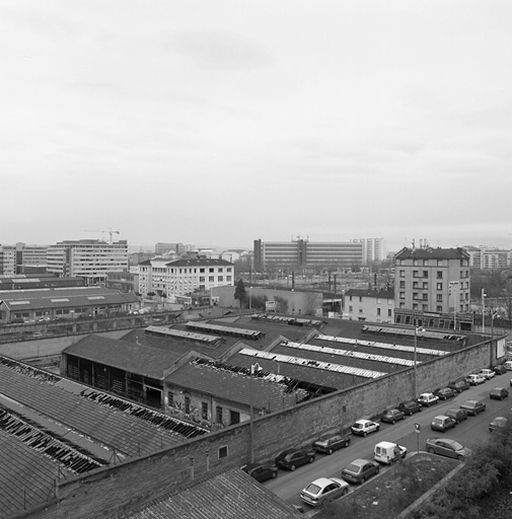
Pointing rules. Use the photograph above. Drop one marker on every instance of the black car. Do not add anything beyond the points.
(410, 408)
(457, 414)
(392, 416)
(444, 393)
(360, 470)
(260, 471)
(459, 385)
(290, 459)
(499, 369)
(498, 393)
(473, 407)
(328, 443)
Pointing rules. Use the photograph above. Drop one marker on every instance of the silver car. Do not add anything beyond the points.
(447, 447)
(322, 490)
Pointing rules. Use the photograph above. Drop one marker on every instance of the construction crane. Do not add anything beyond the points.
(109, 230)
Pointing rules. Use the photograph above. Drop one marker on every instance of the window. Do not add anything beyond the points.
(439, 274)
(360, 310)
(415, 284)
(350, 298)
(170, 398)
(414, 273)
(402, 295)
(402, 284)
(187, 404)
(228, 279)
(204, 410)
(350, 309)
(402, 273)
(201, 270)
(390, 312)
(425, 308)
(425, 285)
(218, 414)
(211, 269)
(415, 306)
(223, 452)
(360, 299)
(439, 298)
(221, 278)
(234, 417)
(219, 269)
(439, 308)
(211, 279)
(201, 279)
(378, 311)
(439, 286)
(415, 295)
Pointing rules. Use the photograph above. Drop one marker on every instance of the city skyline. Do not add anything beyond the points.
(224, 122)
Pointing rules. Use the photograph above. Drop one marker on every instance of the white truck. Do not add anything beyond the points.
(387, 452)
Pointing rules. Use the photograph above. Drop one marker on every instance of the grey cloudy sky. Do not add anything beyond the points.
(218, 122)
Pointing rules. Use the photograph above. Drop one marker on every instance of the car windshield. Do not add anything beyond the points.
(456, 445)
(312, 488)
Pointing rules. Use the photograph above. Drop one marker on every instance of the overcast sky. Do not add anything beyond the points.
(219, 122)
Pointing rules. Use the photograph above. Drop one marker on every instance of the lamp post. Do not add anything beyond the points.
(483, 310)
(452, 285)
(254, 368)
(416, 331)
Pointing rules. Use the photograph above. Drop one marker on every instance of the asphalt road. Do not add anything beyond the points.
(469, 433)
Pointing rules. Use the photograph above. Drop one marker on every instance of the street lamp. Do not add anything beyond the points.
(452, 284)
(483, 310)
(254, 369)
(417, 330)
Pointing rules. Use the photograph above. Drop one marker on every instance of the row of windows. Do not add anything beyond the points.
(379, 311)
(423, 285)
(205, 410)
(433, 262)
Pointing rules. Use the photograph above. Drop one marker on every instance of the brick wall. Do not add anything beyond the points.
(96, 495)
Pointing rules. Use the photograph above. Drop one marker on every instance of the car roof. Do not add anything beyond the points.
(360, 461)
(363, 421)
(322, 482)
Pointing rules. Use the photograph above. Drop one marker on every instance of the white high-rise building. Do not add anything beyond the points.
(88, 259)
(374, 249)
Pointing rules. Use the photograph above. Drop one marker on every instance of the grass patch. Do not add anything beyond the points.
(392, 491)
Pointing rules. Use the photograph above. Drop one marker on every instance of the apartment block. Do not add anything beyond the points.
(432, 280)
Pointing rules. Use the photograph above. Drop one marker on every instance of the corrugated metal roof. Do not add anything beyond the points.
(134, 358)
(230, 495)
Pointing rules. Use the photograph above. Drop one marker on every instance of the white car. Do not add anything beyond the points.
(475, 378)
(363, 427)
(322, 490)
(487, 373)
(427, 399)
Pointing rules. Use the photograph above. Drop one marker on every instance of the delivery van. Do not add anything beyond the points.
(387, 452)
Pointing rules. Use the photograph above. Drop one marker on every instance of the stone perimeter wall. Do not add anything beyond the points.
(97, 494)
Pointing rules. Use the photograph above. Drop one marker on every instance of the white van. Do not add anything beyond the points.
(508, 365)
(387, 452)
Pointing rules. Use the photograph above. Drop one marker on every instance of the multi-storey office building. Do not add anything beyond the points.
(432, 280)
(183, 276)
(88, 259)
(488, 258)
(19, 258)
(305, 254)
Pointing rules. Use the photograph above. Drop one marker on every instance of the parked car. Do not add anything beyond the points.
(456, 413)
(499, 369)
(487, 373)
(427, 399)
(447, 447)
(497, 423)
(328, 443)
(508, 365)
(444, 393)
(442, 423)
(459, 385)
(360, 470)
(473, 407)
(387, 452)
(392, 416)
(364, 427)
(260, 471)
(290, 459)
(322, 490)
(498, 393)
(410, 407)
(475, 378)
